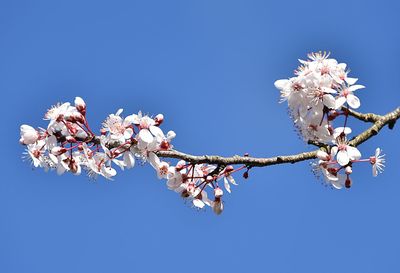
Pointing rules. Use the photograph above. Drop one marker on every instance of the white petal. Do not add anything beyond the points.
(322, 155)
(145, 136)
(128, 133)
(339, 130)
(226, 185)
(356, 87)
(198, 203)
(353, 101)
(230, 179)
(353, 153)
(129, 120)
(119, 163)
(377, 152)
(339, 102)
(351, 81)
(342, 158)
(129, 159)
(329, 101)
(60, 169)
(374, 170)
(157, 132)
(280, 84)
(334, 151)
(337, 185)
(154, 160)
(171, 135)
(119, 112)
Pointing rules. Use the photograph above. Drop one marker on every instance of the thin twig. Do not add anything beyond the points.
(378, 123)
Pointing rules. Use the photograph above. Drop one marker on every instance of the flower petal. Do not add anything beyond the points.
(353, 153)
(145, 136)
(280, 84)
(339, 102)
(329, 101)
(342, 158)
(356, 87)
(226, 185)
(353, 101)
(351, 81)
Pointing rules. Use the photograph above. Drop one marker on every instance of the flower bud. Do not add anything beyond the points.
(80, 105)
(323, 155)
(79, 118)
(348, 182)
(246, 175)
(218, 193)
(228, 169)
(164, 145)
(185, 194)
(58, 150)
(159, 119)
(209, 179)
(70, 139)
(217, 206)
(28, 135)
(348, 170)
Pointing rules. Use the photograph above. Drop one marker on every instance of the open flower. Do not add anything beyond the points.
(377, 162)
(120, 129)
(346, 95)
(345, 153)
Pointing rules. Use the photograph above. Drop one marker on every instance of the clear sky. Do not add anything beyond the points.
(209, 67)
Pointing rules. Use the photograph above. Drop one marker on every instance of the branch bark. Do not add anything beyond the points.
(378, 122)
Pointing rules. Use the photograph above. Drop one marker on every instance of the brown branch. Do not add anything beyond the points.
(367, 117)
(378, 123)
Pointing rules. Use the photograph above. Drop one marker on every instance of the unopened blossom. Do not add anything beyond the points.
(29, 135)
(377, 162)
(80, 105)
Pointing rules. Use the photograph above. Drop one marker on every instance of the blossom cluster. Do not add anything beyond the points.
(69, 145)
(320, 92)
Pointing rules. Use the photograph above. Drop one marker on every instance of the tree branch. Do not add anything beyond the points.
(378, 123)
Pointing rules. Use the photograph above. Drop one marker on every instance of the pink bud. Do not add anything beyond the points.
(348, 170)
(58, 151)
(218, 193)
(159, 119)
(228, 169)
(348, 182)
(80, 105)
(70, 139)
(79, 118)
(164, 145)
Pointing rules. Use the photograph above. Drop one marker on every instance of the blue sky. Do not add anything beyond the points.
(209, 67)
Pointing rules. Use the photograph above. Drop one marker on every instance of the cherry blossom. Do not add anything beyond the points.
(377, 162)
(318, 97)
